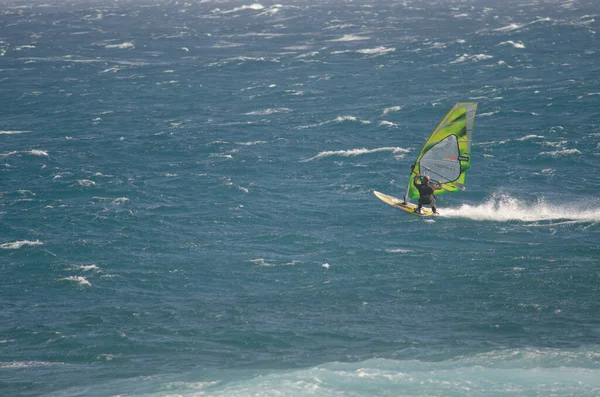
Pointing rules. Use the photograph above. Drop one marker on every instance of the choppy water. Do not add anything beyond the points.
(186, 200)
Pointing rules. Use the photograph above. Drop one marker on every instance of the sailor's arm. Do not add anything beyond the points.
(417, 181)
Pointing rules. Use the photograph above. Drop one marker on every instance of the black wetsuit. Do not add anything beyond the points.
(426, 196)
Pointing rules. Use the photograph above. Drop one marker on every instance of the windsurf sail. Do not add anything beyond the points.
(446, 155)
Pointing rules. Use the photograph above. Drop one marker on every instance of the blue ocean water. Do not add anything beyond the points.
(186, 202)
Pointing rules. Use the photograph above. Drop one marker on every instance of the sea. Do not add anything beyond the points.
(187, 207)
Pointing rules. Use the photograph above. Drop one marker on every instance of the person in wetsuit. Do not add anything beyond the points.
(426, 189)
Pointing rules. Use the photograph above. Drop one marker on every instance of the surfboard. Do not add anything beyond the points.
(399, 204)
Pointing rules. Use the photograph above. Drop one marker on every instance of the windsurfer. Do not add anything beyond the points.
(426, 190)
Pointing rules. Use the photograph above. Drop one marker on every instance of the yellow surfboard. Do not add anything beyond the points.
(399, 203)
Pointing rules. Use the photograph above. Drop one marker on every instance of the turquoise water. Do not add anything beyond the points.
(186, 203)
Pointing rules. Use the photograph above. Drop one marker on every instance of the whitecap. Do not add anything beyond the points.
(512, 26)
(251, 143)
(13, 132)
(253, 7)
(340, 52)
(266, 112)
(528, 137)
(120, 200)
(263, 262)
(476, 57)
(18, 244)
(385, 123)
(34, 152)
(376, 51)
(563, 152)
(358, 152)
(272, 11)
(349, 37)
(121, 46)
(86, 182)
(81, 281)
(518, 44)
(307, 54)
(398, 251)
(391, 109)
(86, 268)
(242, 59)
(340, 119)
(28, 364)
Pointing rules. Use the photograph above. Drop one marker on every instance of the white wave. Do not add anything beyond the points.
(263, 262)
(512, 26)
(225, 44)
(385, 123)
(9, 132)
(113, 69)
(267, 112)
(297, 48)
(398, 251)
(517, 44)
(502, 63)
(87, 268)
(339, 119)
(28, 364)
(86, 182)
(308, 54)
(476, 57)
(34, 152)
(342, 26)
(340, 52)
(122, 46)
(251, 143)
(253, 7)
(81, 281)
(349, 37)
(528, 137)
(18, 244)
(358, 152)
(120, 200)
(326, 265)
(487, 114)
(563, 152)
(376, 51)
(502, 207)
(391, 109)
(526, 371)
(242, 59)
(588, 94)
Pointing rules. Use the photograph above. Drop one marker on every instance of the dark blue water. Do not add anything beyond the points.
(186, 202)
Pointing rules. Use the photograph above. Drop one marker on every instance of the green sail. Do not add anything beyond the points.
(446, 156)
